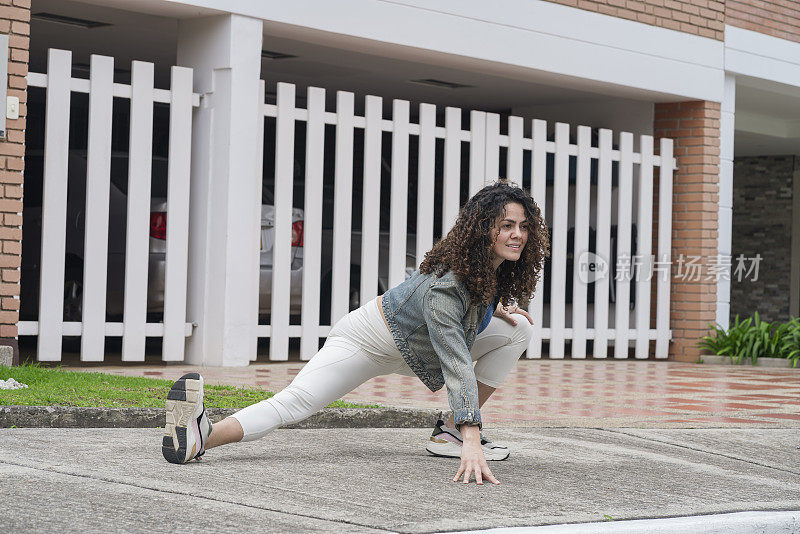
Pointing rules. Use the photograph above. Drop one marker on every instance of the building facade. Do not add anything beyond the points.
(719, 80)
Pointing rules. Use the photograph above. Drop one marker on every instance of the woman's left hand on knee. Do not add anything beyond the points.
(504, 312)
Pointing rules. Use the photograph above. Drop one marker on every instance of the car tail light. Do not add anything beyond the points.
(297, 234)
(158, 224)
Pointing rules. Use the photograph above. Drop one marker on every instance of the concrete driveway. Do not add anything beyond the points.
(381, 480)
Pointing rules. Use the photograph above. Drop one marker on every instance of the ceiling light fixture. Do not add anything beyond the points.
(68, 21)
(440, 83)
(269, 54)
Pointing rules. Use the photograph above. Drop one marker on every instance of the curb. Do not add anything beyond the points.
(79, 417)
(735, 522)
(773, 363)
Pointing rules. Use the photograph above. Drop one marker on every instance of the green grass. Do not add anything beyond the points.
(56, 387)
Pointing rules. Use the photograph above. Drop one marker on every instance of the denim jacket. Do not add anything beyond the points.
(434, 325)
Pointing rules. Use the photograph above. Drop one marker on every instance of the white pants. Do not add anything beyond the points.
(360, 347)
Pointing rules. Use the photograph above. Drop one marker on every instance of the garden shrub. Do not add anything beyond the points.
(754, 338)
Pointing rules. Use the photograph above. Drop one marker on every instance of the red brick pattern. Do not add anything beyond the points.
(705, 18)
(15, 16)
(694, 126)
(778, 18)
(565, 393)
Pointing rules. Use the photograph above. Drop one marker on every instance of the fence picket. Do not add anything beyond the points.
(539, 192)
(477, 151)
(343, 195)
(312, 223)
(371, 210)
(559, 246)
(625, 198)
(398, 215)
(98, 179)
(282, 226)
(137, 243)
(452, 170)
(484, 165)
(178, 183)
(54, 206)
(514, 154)
(259, 193)
(492, 171)
(603, 240)
(425, 179)
(644, 249)
(664, 248)
(581, 242)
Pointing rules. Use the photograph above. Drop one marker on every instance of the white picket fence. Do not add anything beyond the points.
(93, 327)
(485, 140)
(635, 172)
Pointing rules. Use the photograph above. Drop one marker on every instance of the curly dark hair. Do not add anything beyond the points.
(466, 250)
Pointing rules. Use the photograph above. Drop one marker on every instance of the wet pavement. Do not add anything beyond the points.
(567, 393)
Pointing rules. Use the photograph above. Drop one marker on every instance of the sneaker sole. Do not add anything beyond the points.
(183, 401)
(453, 450)
(447, 449)
(495, 455)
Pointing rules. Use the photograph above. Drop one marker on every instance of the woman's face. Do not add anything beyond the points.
(510, 233)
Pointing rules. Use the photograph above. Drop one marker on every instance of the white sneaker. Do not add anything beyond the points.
(447, 441)
(187, 427)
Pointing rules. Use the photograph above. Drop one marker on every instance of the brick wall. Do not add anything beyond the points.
(15, 18)
(705, 18)
(778, 18)
(695, 128)
(762, 224)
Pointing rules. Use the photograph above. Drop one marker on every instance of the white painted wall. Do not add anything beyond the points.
(225, 53)
(757, 55)
(535, 38)
(726, 134)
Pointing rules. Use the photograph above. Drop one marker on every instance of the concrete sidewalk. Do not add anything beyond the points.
(379, 480)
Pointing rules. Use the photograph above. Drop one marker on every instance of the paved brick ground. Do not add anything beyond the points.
(569, 392)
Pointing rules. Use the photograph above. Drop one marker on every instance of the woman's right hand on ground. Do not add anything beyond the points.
(472, 459)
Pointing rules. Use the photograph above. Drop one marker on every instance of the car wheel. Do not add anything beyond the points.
(73, 291)
(354, 297)
(73, 300)
(73, 303)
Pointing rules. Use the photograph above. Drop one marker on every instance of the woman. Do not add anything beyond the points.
(433, 325)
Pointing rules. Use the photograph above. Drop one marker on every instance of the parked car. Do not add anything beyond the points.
(73, 282)
(157, 260)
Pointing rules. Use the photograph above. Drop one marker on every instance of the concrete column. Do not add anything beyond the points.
(225, 53)
(726, 133)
